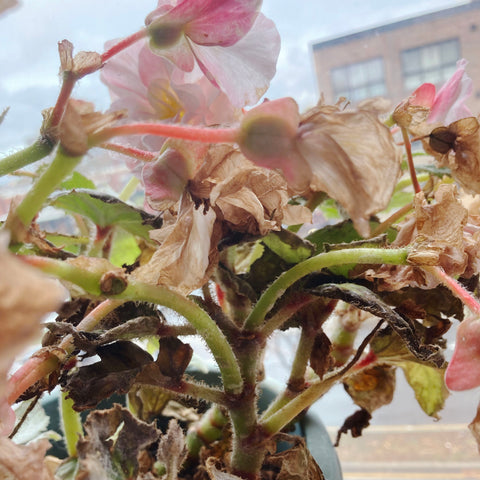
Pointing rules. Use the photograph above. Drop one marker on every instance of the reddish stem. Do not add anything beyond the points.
(33, 370)
(123, 44)
(130, 151)
(458, 290)
(205, 135)
(411, 167)
(59, 109)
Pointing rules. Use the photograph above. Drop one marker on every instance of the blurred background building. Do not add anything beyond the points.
(393, 59)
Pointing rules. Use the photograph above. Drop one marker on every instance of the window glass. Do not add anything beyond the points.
(429, 63)
(359, 80)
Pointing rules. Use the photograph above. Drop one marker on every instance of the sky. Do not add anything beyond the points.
(29, 60)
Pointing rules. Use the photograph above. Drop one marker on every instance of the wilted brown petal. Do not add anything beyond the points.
(80, 120)
(188, 253)
(24, 462)
(458, 147)
(353, 159)
(249, 198)
(440, 231)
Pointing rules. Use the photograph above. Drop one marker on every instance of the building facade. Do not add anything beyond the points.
(392, 60)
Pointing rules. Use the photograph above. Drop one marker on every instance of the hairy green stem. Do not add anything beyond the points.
(71, 424)
(395, 256)
(38, 150)
(203, 323)
(160, 295)
(274, 422)
(61, 166)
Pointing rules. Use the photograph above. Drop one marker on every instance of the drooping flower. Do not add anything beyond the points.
(348, 154)
(234, 45)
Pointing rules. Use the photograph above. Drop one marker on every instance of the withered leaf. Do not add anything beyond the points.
(115, 373)
(372, 388)
(173, 357)
(295, 463)
(356, 423)
(172, 450)
(363, 298)
(113, 440)
(320, 359)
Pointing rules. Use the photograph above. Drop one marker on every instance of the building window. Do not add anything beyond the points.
(433, 63)
(360, 80)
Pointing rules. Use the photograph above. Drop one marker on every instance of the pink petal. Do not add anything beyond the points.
(223, 23)
(423, 96)
(449, 104)
(244, 70)
(463, 371)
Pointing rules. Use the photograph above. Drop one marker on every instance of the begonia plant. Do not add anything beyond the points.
(255, 218)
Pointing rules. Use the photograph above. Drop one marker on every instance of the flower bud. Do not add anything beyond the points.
(267, 132)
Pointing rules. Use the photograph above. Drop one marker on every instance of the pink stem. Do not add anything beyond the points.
(205, 135)
(130, 151)
(34, 369)
(458, 290)
(123, 44)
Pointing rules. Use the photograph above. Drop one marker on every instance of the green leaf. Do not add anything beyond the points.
(429, 386)
(434, 170)
(288, 246)
(124, 249)
(77, 180)
(105, 211)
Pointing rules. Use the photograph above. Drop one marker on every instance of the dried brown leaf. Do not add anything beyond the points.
(372, 388)
(295, 463)
(172, 450)
(114, 373)
(114, 438)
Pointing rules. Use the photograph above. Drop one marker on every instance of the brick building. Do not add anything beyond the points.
(392, 60)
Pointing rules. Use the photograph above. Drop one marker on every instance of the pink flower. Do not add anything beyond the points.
(151, 88)
(235, 47)
(448, 104)
(463, 371)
